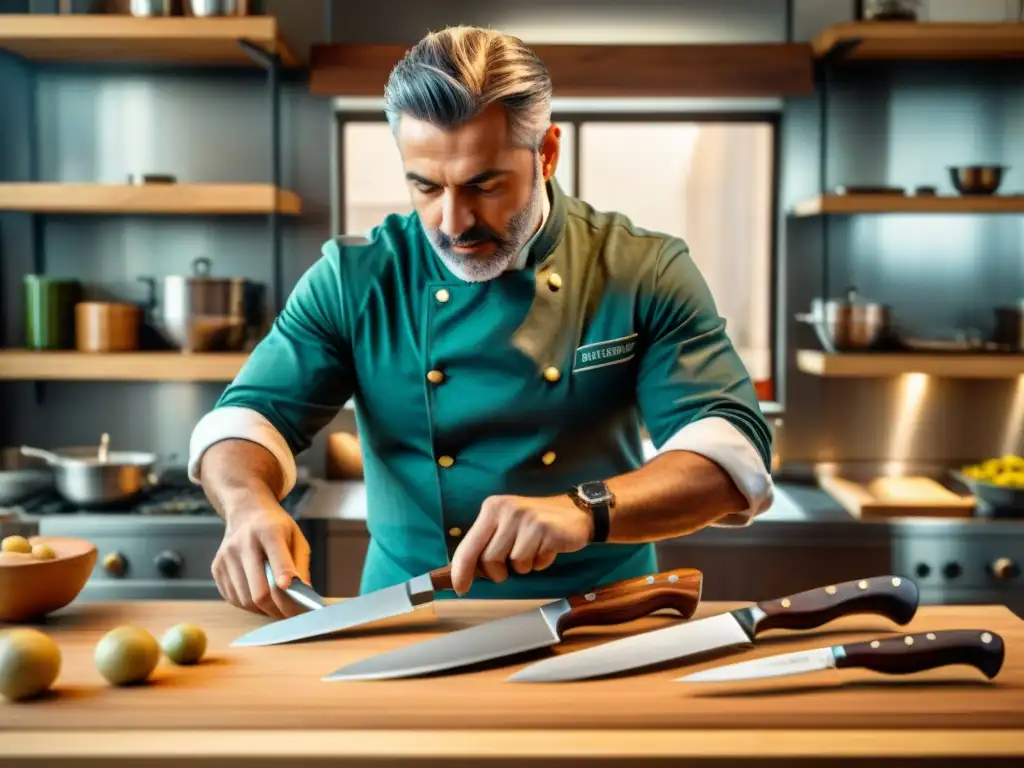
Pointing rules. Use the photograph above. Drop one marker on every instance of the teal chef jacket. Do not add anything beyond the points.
(527, 384)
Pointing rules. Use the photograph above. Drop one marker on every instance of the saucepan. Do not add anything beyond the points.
(94, 477)
(849, 325)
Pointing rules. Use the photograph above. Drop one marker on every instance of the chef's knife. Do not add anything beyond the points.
(541, 627)
(900, 655)
(298, 590)
(893, 597)
(416, 593)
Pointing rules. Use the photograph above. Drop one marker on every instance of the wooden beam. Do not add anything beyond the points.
(921, 40)
(613, 71)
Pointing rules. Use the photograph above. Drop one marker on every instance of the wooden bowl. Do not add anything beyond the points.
(30, 588)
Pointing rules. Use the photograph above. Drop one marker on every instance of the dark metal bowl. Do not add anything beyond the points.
(999, 497)
(977, 179)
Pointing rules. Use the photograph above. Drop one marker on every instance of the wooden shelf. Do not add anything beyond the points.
(878, 40)
(603, 70)
(31, 365)
(885, 203)
(197, 199)
(886, 364)
(118, 37)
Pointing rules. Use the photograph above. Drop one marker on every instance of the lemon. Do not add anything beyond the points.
(16, 544)
(43, 552)
(184, 643)
(29, 663)
(126, 655)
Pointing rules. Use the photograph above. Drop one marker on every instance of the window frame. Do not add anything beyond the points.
(577, 115)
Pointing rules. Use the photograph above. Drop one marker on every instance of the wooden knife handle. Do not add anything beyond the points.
(894, 597)
(906, 654)
(441, 577)
(630, 599)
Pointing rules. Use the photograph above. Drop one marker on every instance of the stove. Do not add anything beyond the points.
(159, 545)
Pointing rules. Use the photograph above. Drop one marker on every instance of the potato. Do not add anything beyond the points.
(16, 544)
(184, 643)
(126, 655)
(29, 663)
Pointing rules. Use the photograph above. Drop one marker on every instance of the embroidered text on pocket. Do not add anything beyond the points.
(602, 353)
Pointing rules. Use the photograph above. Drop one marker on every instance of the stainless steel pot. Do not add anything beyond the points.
(214, 7)
(22, 476)
(850, 324)
(88, 477)
(198, 312)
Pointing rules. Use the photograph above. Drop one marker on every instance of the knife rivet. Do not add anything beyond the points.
(908, 640)
(930, 635)
(650, 579)
(673, 578)
(897, 581)
(830, 590)
(986, 637)
(589, 596)
(785, 602)
(862, 585)
(875, 643)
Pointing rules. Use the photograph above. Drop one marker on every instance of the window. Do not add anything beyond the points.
(709, 181)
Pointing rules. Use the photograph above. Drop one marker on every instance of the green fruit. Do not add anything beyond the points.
(126, 655)
(184, 643)
(29, 663)
(16, 544)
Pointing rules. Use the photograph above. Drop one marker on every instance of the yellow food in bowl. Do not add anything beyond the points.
(1006, 472)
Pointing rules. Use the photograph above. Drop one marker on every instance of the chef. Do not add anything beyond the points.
(506, 345)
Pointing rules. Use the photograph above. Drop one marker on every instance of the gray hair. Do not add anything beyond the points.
(451, 76)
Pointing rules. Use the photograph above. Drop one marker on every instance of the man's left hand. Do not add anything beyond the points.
(526, 533)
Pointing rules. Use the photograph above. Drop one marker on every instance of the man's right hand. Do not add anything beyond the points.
(263, 533)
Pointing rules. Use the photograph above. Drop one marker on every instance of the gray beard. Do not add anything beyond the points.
(520, 229)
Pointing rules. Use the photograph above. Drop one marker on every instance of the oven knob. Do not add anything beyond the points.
(922, 570)
(952, 570)
(1005, 568)
(115, 564)
(169, 564)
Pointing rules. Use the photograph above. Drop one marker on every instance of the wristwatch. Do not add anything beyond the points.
(595, 497)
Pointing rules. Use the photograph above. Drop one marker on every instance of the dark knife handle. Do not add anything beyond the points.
(894, 597)
(630, 599)
(906, 654)
(441, 578)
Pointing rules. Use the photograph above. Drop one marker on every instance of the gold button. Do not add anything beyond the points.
(442, 295)
(435, 377)
(554, 281)
(548, 458)
(446, 461)
(455, 532)
(552, 374)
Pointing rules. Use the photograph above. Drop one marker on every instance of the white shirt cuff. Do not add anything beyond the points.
(718, 440)
(232, 422)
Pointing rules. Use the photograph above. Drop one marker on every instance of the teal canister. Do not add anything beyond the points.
(50, 312)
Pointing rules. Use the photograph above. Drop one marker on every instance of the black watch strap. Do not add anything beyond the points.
(602, 521)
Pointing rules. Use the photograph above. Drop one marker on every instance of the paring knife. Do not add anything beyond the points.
(417, 592)
(615, 603)
(298, 590)
(893, 597)
(900, 655)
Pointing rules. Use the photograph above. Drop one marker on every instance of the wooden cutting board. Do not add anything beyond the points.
(888, 497)
(280, 688)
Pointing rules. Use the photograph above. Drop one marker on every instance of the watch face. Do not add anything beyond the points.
(594, 492)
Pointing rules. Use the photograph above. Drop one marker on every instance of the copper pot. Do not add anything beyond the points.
(102, 326)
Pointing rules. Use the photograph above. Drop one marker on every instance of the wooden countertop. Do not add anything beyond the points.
(243, 703)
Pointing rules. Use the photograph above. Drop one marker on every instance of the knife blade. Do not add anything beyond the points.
(900, 655)
(892, 597)
(298, 590)
(412, 595)
(616, 603)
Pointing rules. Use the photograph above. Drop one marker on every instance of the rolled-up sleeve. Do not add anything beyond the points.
(295, 380)
(693, 390)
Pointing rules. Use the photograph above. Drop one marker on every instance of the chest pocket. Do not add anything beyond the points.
(604, 370)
